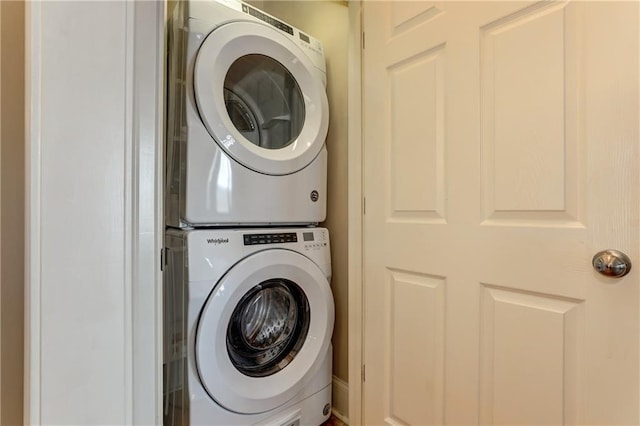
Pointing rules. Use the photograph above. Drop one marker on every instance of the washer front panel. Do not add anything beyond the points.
(222, 48)
(228, 386)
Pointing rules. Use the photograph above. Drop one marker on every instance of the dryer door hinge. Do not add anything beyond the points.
(363, 40)
(363, 373)
(364, 205)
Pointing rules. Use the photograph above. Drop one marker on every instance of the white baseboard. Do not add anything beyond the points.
(340, 400)
(339, 416)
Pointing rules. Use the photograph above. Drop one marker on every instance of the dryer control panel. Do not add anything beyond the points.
(268, 19)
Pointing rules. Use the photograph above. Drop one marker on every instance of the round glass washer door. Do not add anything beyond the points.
(268, 327)
(260, 98)
(264, 331)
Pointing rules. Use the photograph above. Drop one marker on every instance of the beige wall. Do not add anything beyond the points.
(12, 210)
(328, 21)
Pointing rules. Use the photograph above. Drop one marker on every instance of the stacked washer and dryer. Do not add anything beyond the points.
(247, 304)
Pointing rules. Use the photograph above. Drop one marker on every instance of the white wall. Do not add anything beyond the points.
(93, 235)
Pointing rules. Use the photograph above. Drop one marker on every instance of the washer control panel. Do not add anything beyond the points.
(309, 240)
(275, 238)
(314, 240)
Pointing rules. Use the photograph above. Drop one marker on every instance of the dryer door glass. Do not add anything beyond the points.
(264, 101)
(261, 98)
(268, 327)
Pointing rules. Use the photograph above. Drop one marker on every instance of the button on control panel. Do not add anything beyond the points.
(314, 240)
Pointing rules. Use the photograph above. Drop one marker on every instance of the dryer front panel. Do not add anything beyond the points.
(263, 331)
(260, 98)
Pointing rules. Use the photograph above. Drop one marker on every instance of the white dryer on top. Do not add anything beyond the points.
(247, 119)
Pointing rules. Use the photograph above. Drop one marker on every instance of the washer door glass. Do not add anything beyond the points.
(268, 327)
(261, 98)
(264, 101)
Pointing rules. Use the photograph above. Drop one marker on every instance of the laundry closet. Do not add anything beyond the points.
(94, 84)
(94, 208)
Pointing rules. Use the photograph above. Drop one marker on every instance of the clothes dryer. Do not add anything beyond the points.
(248, 321)
(247, 119)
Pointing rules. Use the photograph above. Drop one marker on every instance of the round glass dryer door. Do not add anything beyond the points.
(263, 331)
(264, 102)
(260, 98)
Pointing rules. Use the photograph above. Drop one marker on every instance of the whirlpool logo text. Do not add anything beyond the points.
(217, 241)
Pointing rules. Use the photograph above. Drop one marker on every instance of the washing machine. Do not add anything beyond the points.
(249, 316)
(247, 119)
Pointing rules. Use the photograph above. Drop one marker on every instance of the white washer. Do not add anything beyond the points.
(248, 321)
(247, 119)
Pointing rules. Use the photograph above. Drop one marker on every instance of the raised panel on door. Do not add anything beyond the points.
(500, 154)
(530, 85)
(416, 137)
(414, 334)
(531, 345)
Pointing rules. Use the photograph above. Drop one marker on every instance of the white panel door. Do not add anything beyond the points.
(500, 154)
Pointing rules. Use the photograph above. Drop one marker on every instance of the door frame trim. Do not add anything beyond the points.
(356, 211)
(143, 229)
